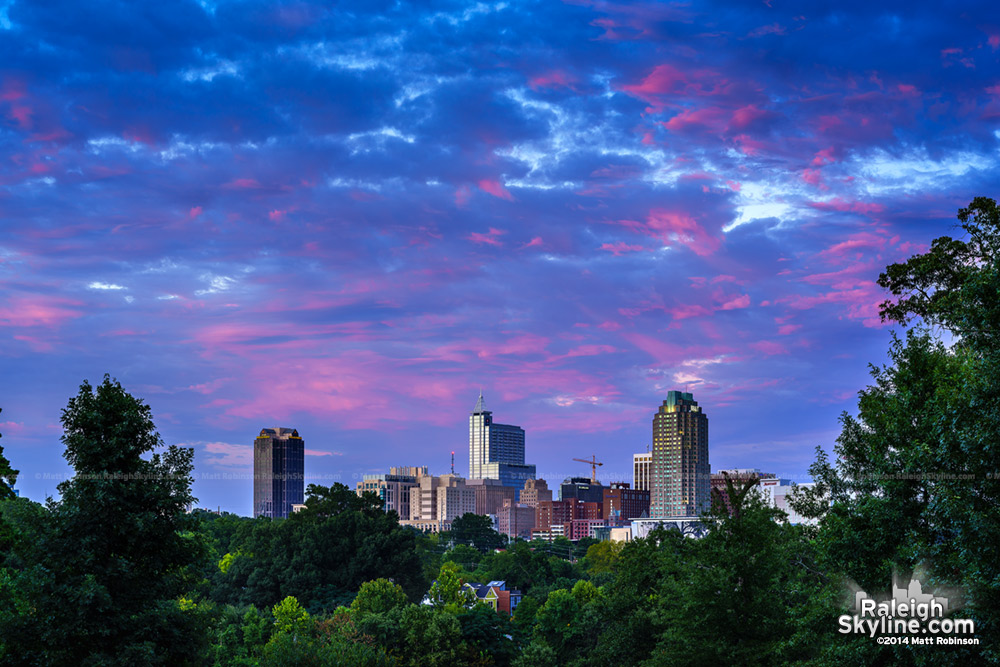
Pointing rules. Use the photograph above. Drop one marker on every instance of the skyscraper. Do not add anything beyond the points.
(496, 451)
(278, 472)
(680, 480)
(641, 468)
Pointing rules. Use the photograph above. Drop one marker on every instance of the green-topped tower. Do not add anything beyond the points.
(681, 476)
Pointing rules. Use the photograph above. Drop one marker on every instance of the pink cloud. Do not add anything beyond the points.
(194, 212)
(462, 196)
(844, 206)
(855, 275)
(619, 248)
(812, 177)
(525, 344)
(676, 227)
(661, 351)
(853, 243)
(742, 301)
(242, 184)
(862, 303)
(750, 146)
(38, 310)
(824, 157)
(535, 242)
(994, 42)
(666, 81)
(713, 118)
(746, 115)
(553, 79)
(277, 216)
(685, 311)
(491, 238)
(495, 188)
(590, 351)
(787, 329)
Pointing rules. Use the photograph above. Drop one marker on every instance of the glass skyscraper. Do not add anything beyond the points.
(496, 451)
(278, 472)
(680, 483)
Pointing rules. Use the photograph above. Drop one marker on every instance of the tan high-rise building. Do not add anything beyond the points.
(534, 492)
(490, 494)
(516, 520)
(441, 498)
(680, 479)
(394, 488)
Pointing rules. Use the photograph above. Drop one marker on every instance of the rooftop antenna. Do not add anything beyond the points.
(453, 463)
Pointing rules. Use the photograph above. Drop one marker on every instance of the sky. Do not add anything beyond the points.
(351, 218)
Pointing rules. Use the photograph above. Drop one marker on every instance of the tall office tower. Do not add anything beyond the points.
(681, 474)
(278, 472)
(496, 451)
(641, 467)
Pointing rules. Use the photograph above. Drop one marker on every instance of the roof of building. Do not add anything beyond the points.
(480, 406)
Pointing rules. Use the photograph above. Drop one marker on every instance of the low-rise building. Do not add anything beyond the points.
(622, 503)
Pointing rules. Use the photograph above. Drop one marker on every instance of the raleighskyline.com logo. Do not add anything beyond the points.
(920, 617)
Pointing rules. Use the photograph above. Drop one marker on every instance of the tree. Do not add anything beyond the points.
(475, 530)
(290, 617)
(449, 590)
(379, 596)
(955, 284)
(322, 558)
(324, 502)
(113, 556)
(8, 476)
(915, 481)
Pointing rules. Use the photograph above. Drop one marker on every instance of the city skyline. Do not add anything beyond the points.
(352, 219)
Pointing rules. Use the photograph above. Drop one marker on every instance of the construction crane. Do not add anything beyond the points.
(593, 467)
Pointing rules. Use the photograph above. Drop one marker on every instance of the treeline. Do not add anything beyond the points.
(117, 573)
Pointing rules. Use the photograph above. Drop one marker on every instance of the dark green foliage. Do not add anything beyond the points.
(916, 483)
(529, 568)
(476, 531)
(955, 284)
(96, 577)
(465, 556)
(320, 556)
(378, 597)
(486, 632)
